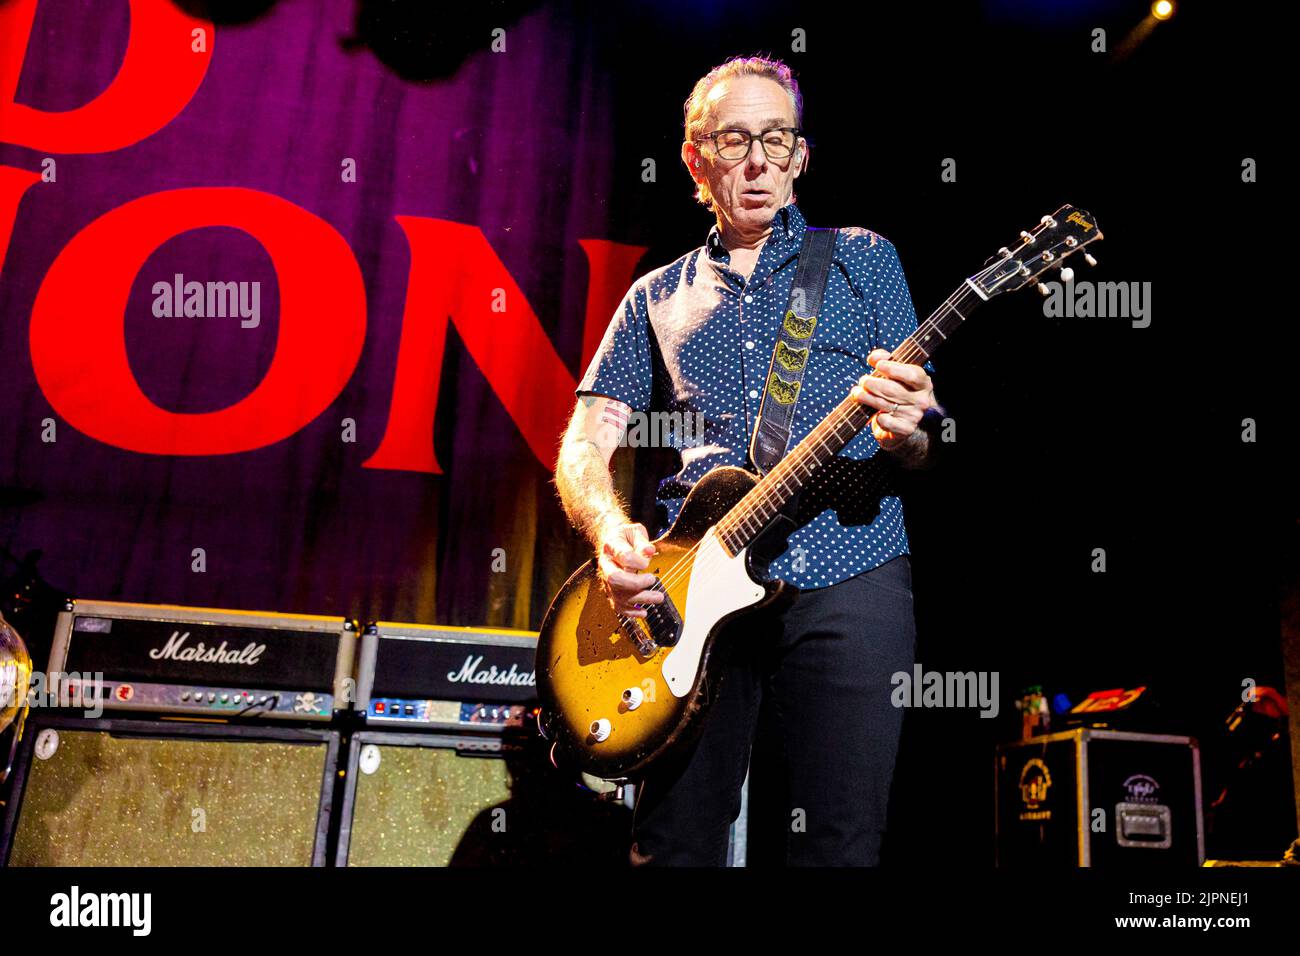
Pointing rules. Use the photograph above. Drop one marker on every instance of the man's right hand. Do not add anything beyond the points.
(623, 550)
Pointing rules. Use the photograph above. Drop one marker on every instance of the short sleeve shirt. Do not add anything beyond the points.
(689, 348)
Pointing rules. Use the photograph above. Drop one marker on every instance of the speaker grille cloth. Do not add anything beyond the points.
(416, 808)
(101, 800)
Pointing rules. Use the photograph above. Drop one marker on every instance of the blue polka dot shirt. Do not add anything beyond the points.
(695, 338)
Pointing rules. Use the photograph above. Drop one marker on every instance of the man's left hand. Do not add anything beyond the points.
(900, 393)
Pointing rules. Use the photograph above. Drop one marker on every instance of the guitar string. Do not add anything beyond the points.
(930, 325)
(818, 436)
(907, 351)
(685, 566)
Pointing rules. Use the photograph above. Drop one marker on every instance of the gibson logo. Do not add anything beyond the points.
(1077, 217)
(176, 650)
(470, 674)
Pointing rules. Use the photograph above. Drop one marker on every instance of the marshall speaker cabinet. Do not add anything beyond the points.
(451, 771)
(114, 792)
(427, 799)
(202, 662)
(1099, 798)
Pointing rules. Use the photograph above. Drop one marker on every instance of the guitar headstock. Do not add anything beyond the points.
(1055, 239)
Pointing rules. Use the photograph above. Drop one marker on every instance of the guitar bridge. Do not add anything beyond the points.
(661, 626)
(638, 634)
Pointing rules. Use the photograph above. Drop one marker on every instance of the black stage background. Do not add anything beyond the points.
(1072, 434)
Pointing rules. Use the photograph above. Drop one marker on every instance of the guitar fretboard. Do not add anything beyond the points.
(764, 501)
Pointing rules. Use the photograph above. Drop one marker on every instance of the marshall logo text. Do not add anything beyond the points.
(469, 673)
(176, 650)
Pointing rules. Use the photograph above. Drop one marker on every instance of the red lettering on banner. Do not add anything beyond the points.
(158, 77)
(454, 276)
(611, 268)
(13, 183)
(78, 340)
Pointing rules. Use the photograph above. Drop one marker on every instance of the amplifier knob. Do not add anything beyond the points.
(600, 729)
(632, 697)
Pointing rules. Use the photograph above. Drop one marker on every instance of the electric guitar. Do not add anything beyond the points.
(619, 693)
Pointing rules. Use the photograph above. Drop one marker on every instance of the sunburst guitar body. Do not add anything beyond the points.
(617, 693)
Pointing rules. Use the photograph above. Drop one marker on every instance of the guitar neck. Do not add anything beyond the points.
(754, 512)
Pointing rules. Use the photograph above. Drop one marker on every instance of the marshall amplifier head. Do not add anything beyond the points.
(477, 679)
(200, 661)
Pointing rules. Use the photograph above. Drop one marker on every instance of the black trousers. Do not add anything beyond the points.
(824, 669)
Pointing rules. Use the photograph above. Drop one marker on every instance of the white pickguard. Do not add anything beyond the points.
(718, 586)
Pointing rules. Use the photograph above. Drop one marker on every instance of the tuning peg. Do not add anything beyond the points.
(1088, 258)
(1044, 289)
(1067, 274)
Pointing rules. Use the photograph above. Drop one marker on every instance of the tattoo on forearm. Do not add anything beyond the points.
(615, 414)
(586, 487)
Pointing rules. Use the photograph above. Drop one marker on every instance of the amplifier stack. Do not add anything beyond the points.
(194, 736)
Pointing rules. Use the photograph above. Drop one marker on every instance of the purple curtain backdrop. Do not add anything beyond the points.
(518, 144)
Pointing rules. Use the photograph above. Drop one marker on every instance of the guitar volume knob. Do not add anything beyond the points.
(600, 729)
(632, 698)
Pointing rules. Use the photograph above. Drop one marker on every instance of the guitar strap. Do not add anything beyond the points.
(793, 346)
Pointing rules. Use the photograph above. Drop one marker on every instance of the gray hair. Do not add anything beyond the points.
(696, 109)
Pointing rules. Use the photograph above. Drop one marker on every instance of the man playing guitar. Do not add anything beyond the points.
(696, 337)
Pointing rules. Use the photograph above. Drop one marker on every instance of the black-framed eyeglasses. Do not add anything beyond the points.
(735, 143)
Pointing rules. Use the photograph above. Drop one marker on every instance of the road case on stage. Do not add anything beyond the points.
(1107, 798)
